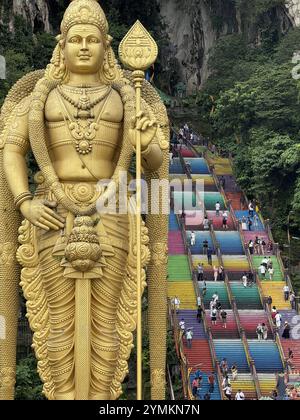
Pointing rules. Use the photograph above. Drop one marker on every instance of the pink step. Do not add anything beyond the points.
(176, 246)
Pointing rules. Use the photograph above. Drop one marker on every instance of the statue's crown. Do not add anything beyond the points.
(84, 11)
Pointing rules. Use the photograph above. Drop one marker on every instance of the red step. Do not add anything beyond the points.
(219, 331)
(235, 199)
(250, 320)
(295, 347)
(199, 354)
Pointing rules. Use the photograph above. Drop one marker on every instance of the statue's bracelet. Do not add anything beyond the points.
(21, 198)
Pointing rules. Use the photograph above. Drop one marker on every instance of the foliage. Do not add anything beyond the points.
(28, 386)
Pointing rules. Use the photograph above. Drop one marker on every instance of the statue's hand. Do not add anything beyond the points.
(147, 128)
(40, 214)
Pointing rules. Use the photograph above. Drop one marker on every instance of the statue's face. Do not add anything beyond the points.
(84, 49)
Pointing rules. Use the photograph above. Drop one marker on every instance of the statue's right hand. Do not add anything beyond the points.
(40, 214)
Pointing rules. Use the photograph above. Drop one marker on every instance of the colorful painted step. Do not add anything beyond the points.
(187, 153)
(204, 181)
(236, 263)
(197, 165)
(211, 198)
(268, 383)
(244, 213)
(246, 297)
(199, 354)
(222, 166)
(275, 290)
(278, 275)
(215, 396)
(200, 238)
(185, 292)
(175, 243)
(244, 382)
(217, 221)
(230, 243)
(173, 223)
(175, 167)
(178, 268)
(218, 331)
(250, 320)
(186, 200)
(220, 289)
(208, 269)
(295, 347)
(190, 318)
(194, 220)
(293, 319)
(233, 351)
(266, 356)
(235, 199)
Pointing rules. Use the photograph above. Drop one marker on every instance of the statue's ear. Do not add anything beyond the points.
(111, 70)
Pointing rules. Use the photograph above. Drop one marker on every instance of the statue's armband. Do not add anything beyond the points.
(17, 132)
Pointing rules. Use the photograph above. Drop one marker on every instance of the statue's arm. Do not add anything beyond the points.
(15, 150)
(39, 212)
(152, 157)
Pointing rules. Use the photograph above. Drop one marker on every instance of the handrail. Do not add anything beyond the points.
(169, 379)
(215, 361)
(181, 356)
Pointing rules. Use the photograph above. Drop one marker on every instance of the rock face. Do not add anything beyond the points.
(293, 7)
(194, 26)
(36, 12)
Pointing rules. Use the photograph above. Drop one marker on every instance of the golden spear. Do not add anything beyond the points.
(138, 51)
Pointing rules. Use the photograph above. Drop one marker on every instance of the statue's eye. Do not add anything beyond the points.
(74, 40)
(93, 40)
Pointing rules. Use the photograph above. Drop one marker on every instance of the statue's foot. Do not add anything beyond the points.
(100, 396)
(65, 396)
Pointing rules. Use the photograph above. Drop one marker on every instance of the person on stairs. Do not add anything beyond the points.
(209, 255)
(193, 239)
(286, 292)
(234, 372)
(224, 318)
(286, 330)
(218, 208)
(264, 331)
(205, 246)
(200, 271)
(199, 314)
(224, 367)
(211, 381)
(240, 396)
(259, 332)
(189, 338)
(216, 273)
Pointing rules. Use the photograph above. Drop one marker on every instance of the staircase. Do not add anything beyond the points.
(248, 312)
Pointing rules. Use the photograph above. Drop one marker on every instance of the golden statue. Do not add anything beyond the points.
(79, 264)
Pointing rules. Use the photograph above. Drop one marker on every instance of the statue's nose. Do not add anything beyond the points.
(84, 44)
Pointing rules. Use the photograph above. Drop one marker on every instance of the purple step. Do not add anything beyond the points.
(176, 245)
(292, 318)
(190, 318)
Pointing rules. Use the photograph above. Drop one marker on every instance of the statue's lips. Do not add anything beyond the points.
(84, 57)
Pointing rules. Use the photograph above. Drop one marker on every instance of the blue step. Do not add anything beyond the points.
(215, 396)
(230, 243)
(173, 224)
(200, 237)
(266, 356)
(233, 351)
(176, 167)
(239, 215)
(197, 165)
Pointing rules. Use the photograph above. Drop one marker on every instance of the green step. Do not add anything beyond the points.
(178, 268)
(221, 289)
(246, 297)
(211, 198)
(278, 276)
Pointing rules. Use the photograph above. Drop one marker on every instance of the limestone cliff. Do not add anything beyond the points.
(194, 26)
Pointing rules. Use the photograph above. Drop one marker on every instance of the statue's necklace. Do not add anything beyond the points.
(83, 126)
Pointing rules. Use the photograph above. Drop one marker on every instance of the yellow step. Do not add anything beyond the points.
(243, 382)
(202, 259)
(268, 383)
(186, 293)
(275, 289)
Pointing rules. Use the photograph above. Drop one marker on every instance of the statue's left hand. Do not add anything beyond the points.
(147, 128)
